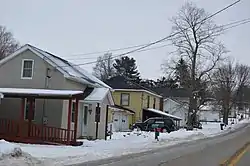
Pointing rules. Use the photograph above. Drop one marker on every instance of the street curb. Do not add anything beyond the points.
(158, 149)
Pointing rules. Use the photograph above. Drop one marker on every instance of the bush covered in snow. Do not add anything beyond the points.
(9, 149)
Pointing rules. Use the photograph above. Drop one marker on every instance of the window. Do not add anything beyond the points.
(27, 68)
(27, 108)
(125, 99)
(154, 103)
(148, 103)
(73, 112)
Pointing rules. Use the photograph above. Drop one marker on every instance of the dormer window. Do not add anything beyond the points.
(27, 68)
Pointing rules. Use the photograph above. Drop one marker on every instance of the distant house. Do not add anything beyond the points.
(177, 108)
(135, 98)
(49, 91)
(208, 113)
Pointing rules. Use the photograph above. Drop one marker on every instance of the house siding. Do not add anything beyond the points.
(151, 101)
(138, 101)
(135, 102)
(51, 109)
(174, 108)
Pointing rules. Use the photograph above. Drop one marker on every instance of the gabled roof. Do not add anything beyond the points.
(68, 69)
(122, 83)
(122, 108)
(163, 113)
(177, 101)
(98, 95)
(172, 92)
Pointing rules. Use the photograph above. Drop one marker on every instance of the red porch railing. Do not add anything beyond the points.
(31, 133)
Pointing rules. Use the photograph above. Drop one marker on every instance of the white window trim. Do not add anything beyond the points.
(27, 78)
(25, 103)
(128, 94)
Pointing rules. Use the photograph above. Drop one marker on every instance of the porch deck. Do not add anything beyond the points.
(25, 132)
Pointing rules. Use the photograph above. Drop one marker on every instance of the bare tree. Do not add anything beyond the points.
(243, 79)
(8, 44)
(225, 85)
(104, 67)
(196, 42)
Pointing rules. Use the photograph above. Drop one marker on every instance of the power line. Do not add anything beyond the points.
(110, 50)
(163, 39)
(240, 22)
(226, 27)
(153, 48)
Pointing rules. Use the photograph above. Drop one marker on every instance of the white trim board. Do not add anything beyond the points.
(138, 90)
(32, 69)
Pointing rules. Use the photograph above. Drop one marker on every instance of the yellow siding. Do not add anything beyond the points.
(135, 102)
(110, 117)
(138, 101)
(151, 102)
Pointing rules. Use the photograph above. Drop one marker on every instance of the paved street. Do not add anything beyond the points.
(245, 159)
(206, 152)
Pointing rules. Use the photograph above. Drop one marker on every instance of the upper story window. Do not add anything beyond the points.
(27, 68)
(125, 99)
(148, 101)
(154, 103)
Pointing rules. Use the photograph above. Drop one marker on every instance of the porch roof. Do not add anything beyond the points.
(163, 113)
(98, 95)
(122, 108)
(39, 93)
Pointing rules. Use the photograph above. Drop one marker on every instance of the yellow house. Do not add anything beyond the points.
(130, 96)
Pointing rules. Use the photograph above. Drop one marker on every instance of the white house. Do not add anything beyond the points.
(208, 113)
(177, 108)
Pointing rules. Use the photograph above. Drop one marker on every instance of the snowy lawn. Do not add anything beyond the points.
(120, 144)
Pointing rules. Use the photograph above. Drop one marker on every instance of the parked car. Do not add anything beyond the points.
(166, 124)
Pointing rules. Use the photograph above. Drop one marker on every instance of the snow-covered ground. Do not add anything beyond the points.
(120, 144)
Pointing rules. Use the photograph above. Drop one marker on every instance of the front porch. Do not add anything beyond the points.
(26, 131)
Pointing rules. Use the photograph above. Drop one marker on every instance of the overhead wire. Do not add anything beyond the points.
(226, 27)
(162, 39)
(243, 21)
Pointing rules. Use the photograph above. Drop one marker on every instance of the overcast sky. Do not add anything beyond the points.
(71, 27)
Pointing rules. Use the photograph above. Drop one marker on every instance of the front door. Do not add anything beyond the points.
(84, 120)
(124, 122)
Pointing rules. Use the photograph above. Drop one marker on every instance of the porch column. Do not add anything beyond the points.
(22, 109)
(76, 119)
(69, 120)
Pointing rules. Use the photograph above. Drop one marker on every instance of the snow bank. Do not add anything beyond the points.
(9, 149)
(121, 143)
(12, 154)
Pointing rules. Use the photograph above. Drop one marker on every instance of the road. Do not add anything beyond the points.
(229, 149)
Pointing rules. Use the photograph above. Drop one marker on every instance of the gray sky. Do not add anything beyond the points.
(70, 27)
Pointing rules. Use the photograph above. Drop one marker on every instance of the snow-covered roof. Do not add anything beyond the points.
(68, 69)
(98, 95)
(39, 92)
(163, 113)
(206, 107)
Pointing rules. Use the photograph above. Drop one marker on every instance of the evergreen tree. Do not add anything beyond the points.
(182, 73)
(126, 67)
